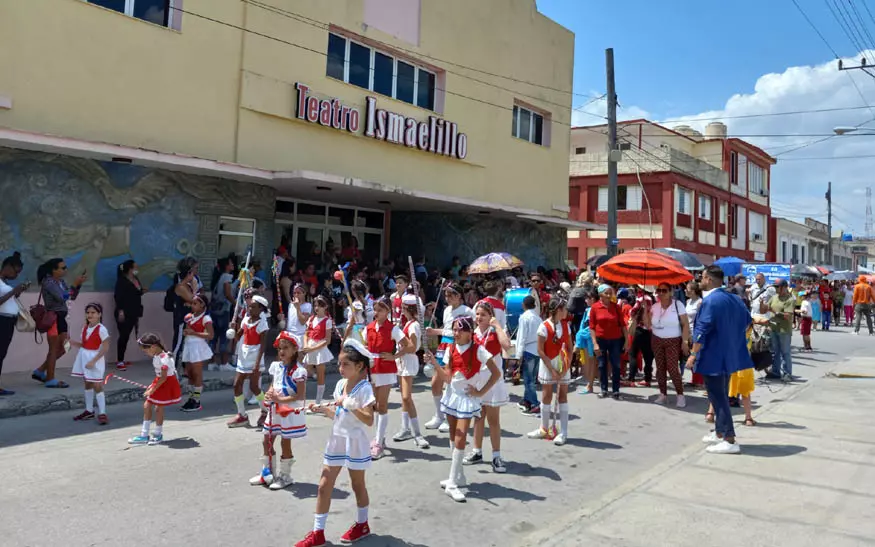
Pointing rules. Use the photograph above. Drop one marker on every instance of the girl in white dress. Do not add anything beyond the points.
(90, 364)
(348, 443)
(317, 338)
(467, 383)
(251, 338)
(408, 368)
(196, 350)
(300, 311)
(384, 340)
(554, 347)
(491, 336)
(286, 396)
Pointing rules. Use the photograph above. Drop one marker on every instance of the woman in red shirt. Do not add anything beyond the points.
(608, 332)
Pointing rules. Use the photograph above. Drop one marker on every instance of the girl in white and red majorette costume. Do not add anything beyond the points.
(286, 417)
(469, 372)
(384, 339)
(316, 340)
(554, 374)
(196, 350)
(251, 341)
(408, 368)
(347, 446)
(164, 390)
(90, 364)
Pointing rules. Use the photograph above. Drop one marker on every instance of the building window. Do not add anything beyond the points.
(783, 251)
(705, 207)
(803, 254)
(733, 168)
(625, 146)
(580, 150)
(629, 198)
(365, 67)
(528, 125)
(153, 11)
(742, 170)
(757, 227)
(684, 198)
(794, 256)
(722, 213)
(733, 220)
(757, 179)
(236, 235)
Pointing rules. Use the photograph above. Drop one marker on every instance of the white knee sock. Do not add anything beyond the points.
(320, 391)
(241, 405)
(319, 521)
(361, 516)
(414, 425)
(437, 408)
(405, 421)
(145, 431)
(89, 400)
(159, 429)
(563, 418)
(546, 410)
(456, 465)
(382, 425)
(101, 402)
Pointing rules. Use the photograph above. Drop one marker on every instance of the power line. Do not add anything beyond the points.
(744, 116)
(843, 23)
(325, 26)
(863, 25)
(325, 54)
(814, 158)
(798, 7)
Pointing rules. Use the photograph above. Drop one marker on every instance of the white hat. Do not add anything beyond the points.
(358, 346)
(409, 300)
(565, 286)
(261, 300)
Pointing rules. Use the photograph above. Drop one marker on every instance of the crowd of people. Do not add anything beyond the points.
(386, 325)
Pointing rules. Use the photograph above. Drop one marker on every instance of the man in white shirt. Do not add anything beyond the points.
(527, 353)
(759, 297)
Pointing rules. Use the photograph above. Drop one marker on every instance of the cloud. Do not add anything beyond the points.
(799, 185)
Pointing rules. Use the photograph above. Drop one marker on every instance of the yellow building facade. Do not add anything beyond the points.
(158, 129)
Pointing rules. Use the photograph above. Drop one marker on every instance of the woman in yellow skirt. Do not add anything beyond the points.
(741, 383)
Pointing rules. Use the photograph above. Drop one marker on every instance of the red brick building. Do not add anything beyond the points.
(706, 194)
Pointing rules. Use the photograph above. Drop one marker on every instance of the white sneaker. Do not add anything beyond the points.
(420, 442)
(724, 447)
(434, 423)
(454, 492)
(227, 367)
(711, 438)
(460, 481)
(444, 427)
(213, 367)
(681, 402)
(537, 434)
(559, 440)
(280, 482)
(253, 401)
(262, 479)
(660, 400)
(403, 435)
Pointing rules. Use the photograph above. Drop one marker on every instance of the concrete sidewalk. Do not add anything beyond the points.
(806, 476)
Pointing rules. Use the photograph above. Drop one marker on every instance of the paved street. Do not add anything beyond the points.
(67, 483)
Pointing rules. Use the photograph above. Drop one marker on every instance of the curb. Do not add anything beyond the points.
(114, 397)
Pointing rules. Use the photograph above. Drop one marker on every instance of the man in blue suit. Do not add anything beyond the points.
(719, 349)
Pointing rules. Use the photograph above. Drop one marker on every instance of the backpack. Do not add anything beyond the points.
(577, 301)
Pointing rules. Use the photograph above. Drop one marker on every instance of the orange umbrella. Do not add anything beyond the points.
(644, 267)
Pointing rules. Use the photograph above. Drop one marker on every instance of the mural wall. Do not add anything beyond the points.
(97, 214)
(444, 235)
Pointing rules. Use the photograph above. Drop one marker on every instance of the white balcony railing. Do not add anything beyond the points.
(651, 161)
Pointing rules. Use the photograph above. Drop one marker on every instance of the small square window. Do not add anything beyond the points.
(336, 55)
(580, 150)
(383, 68)
(359, 65)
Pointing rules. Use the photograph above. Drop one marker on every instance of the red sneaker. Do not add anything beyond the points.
(102, 419)
(313, 539)
(239, 421)
(121, 365)
(86, 415)
(357, 532)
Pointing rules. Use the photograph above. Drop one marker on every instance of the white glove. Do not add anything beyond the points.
(351, 404)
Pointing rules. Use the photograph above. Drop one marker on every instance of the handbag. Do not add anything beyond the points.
(43, 319)
(25, 322)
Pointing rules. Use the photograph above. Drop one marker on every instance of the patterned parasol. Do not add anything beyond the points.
(494, 262)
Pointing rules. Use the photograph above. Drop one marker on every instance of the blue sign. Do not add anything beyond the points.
(847, 237)
(772, 272)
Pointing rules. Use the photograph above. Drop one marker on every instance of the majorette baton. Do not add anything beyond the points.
(111, 375)
(285, 410)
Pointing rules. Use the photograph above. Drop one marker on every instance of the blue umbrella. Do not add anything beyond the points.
(730, 265)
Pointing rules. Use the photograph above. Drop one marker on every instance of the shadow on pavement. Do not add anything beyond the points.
(181, 443)
(309, 490)
(401, 455)
(779, 425)
(490, 491)
(527, 470)
(390, 541)
(596, 445)
(772, 450)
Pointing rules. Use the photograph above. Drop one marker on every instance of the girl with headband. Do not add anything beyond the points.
(163, 391)
(470, 372)
(90, 364)
(196, 349)
(554, 374)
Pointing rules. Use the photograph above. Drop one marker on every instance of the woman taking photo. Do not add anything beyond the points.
(56, 295)
(10, 270)
(671, 335)
(128, 307)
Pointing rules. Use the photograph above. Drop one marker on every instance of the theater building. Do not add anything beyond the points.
(158, 129)
(703, 193)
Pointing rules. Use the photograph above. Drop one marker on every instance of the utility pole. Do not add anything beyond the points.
(829, 223)
(612, 241)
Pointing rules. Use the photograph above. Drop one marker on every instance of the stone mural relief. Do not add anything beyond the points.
(97, 214)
